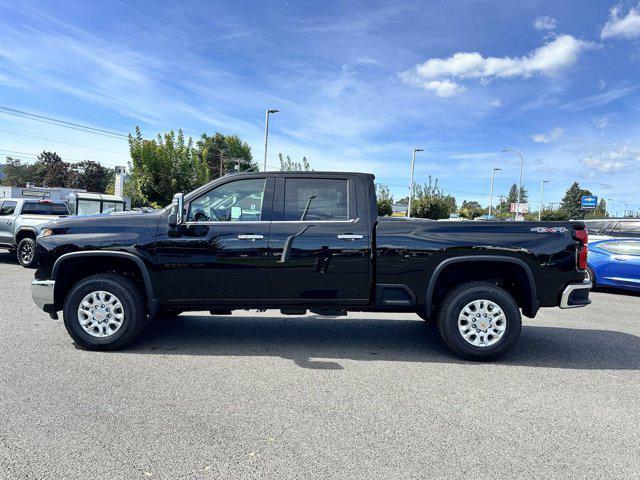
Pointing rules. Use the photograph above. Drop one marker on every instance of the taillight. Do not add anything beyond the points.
(583, 237)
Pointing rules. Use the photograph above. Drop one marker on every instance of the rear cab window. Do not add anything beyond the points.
(44, 208)
(316, 199)
(622, 248)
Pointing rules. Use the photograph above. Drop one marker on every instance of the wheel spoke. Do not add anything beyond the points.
(100, 314)
(482, 323)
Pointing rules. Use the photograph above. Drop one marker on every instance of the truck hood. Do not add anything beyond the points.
(105, 222)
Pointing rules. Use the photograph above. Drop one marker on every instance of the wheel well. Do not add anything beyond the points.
(512, 277)
(24, 233)
(72, 270)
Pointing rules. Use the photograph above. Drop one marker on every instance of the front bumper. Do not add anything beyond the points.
(42, 294)
(576, 295)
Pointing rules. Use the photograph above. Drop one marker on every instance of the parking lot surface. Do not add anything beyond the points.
(261, 395)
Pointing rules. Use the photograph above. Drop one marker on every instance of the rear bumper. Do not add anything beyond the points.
(42, 294)
(576, 295)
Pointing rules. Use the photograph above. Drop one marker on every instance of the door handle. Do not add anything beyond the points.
(620, 259)
(250, 237)
(349, 236)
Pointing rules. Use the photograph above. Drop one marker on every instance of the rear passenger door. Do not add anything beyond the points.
(320, 245)
(7, 218)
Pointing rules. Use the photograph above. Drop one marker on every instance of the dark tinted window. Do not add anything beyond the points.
(41, 208)
(59, 209)
(315, 199)
(7, 208)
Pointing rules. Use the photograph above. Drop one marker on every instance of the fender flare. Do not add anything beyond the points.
(534, 303)
(151, 299)
(24, 229)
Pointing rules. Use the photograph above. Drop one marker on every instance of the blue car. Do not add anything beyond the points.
(615, 262)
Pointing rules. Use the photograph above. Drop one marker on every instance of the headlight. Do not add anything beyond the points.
(46, 232)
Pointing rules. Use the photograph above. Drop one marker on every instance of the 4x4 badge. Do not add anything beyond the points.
(549, 229)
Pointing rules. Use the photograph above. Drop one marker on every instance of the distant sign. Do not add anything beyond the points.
(35, 193)
(589, 202)
(524, 207)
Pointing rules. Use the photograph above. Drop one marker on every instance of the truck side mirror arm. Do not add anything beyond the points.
(177, 211)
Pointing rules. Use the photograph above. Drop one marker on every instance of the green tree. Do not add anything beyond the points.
(288, 165)
(384, 200)
(550, 215)
(430, 201)
(512, 197)
(572, 200)
(600, 211)
(161, 167)
(222, 153)
(91, 176)
(471, 210)
(15, 173)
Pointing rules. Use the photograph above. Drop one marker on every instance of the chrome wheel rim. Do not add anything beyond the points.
(100, 314)
(482, 323)
(26, 253)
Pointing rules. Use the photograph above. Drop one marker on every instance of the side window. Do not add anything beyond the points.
(630, 227)
(7, 208)
(315, 199)
(623, 248)
(239, 201)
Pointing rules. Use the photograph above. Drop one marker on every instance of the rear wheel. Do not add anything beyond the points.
(105, 312)
(26, 252)
(590, 276)
(479, 321)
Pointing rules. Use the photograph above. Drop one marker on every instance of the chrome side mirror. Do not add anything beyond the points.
(177, 210)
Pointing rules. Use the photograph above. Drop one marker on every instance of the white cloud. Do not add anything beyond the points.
(444, 88)
(552, 136)
(624, 159)
(545, 23)
(495, 103)
(601, 122)
(625, 27)
(438, 74)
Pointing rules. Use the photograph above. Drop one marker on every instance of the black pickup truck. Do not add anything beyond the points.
(303, 242)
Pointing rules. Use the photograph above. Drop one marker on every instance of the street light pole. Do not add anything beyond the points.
(624, 210)
(413, 162)
(541, 191)
(266, 134)
(493, 172)
(519, 186)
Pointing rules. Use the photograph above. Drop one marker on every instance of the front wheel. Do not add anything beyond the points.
(479, 321)
(26, 252)
(105, 312)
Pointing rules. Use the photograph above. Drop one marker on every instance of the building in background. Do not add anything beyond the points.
(31, 191)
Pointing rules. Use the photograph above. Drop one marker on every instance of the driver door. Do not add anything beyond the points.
(219, 254)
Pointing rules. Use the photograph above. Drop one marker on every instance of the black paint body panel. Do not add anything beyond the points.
(206, 265)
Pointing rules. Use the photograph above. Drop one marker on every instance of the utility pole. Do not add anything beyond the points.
(266, 134)
(413, 161)
(493, 173)
(520, 185)
(541, 191)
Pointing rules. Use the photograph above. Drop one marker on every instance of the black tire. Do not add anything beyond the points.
(454, 303)
(133, 306)
(591, 276)
(26, 252)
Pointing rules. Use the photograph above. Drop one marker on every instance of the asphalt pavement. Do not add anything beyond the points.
(261, 395)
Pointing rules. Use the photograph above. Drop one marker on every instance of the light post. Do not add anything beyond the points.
(266, 134)
(519, 186)
(624, 210)
(541, 191)
(493, 172)
(413, 162)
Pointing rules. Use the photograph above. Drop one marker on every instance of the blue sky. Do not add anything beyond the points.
(358, 85)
